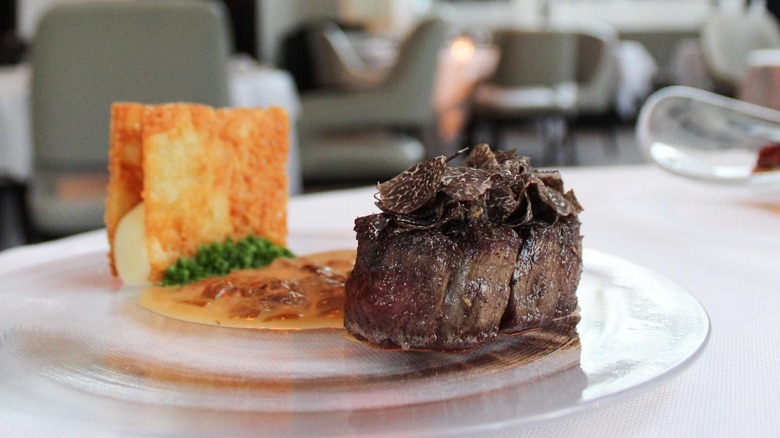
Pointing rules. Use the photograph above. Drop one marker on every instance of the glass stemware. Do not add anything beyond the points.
(706, 136)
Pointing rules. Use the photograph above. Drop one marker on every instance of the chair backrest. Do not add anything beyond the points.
(728, 37)
(89, 54)
(411, 81)
(335, 59)
(596, 70)
(532, 57)
(404, 100)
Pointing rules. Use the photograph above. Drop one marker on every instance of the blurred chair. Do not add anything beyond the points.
(728, 37)
(534, 81)
(88, 55)
(596, 69)
(396, 113)
(597, 77)
(360, 156)
(336, 63)
(295, 56)
(13, 213)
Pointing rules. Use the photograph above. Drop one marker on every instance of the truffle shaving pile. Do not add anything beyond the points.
(498, 188)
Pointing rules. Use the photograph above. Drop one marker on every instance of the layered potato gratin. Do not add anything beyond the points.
(186, 175)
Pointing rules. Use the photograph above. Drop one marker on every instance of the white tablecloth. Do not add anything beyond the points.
(251, 85)
(719, 243)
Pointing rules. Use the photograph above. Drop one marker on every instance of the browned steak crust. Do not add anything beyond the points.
(460, 254)
(429, 288)
(546, 275)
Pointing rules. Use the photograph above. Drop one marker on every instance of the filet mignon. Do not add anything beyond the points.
(460, 254)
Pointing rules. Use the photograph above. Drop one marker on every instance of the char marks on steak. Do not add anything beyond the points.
(442, 289)
(545, 276)
(460, 254)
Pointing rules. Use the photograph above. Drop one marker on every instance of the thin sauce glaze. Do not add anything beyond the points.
(289, 294)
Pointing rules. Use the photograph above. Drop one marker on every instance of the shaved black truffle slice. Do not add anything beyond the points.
(413, 188)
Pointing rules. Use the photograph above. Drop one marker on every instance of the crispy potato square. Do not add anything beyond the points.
(204, 175)
(124, 164)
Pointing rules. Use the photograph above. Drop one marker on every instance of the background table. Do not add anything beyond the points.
(761, 84)
(720, 243)
(251, 85)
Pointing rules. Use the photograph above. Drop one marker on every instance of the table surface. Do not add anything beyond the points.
(719, 243)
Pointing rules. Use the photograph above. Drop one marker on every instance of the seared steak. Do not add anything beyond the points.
(460, 254)
(545, 276)
(435, 289)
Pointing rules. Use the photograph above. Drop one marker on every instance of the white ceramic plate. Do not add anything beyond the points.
(78, 355)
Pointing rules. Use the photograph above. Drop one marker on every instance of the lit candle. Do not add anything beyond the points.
(462, 48)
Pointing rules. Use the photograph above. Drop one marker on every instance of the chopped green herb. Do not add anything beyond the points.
(216, 259)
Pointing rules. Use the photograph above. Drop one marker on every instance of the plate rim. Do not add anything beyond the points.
(576, 408)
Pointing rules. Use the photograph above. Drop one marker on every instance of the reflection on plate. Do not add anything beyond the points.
(706, 136)
(79, 352)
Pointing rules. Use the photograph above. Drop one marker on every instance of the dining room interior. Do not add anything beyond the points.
(370, 93)
(474, 295)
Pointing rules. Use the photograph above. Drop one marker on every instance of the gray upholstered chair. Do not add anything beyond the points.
(336, 63)
(597, 78)
(349, 135)
(596, 69)
(534, 81)
(86, 56)
(728, 37)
